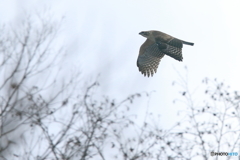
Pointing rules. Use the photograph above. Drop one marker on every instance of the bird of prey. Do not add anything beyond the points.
(155, 47)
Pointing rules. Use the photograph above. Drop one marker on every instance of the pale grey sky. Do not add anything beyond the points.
(103, 38)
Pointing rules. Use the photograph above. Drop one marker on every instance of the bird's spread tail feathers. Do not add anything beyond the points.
(187, 43)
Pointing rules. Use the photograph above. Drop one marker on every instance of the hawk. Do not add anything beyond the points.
(155, 47)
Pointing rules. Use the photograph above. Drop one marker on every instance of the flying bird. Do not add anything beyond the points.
(155, 47)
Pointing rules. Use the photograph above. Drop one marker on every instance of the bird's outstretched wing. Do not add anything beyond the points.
(173, 48)
(149, 58)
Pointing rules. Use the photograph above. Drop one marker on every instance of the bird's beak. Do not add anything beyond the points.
(140, 33)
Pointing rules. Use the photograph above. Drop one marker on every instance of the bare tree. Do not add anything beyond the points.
(211, 123)
(45, 115)
(27, 57)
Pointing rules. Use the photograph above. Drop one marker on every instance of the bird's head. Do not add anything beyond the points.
(145, 34)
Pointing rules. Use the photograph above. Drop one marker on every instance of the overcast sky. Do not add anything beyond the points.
(102, 39)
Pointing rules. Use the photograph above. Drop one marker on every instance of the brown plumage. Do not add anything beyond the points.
(155, 47)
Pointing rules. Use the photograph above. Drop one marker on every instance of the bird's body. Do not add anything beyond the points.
(155, 47)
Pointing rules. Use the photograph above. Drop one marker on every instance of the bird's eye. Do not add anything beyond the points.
(144, 33)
